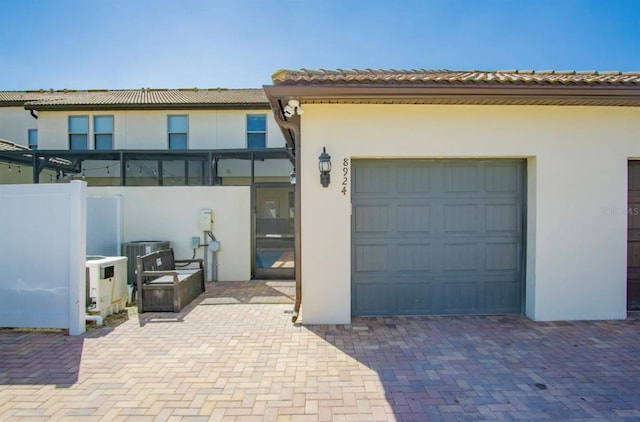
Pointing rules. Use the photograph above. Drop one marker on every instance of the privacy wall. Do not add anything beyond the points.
(42, 256)
(170, 213)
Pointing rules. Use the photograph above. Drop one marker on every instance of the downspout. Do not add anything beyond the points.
(298, 206)
(33, 114)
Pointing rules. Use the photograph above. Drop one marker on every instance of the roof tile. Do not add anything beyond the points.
(141, 97)
(443, 76)
(11, 146)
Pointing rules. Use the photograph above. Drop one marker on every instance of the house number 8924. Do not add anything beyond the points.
(345, 175)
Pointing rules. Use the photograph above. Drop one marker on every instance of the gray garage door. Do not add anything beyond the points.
(434, 237)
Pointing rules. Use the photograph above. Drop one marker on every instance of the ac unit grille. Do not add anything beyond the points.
(132, 250)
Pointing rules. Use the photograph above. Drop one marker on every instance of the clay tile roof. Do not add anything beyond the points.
(11, 146)
(453, 77)
(21, 97)
(152, 97)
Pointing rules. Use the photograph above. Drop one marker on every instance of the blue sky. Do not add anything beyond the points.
(238, 44)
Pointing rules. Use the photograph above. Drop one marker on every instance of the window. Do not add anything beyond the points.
(178, 128)
(78, 132)
(103, 132)
(33, 138)
(256, 130)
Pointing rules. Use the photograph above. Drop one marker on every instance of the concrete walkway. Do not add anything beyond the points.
(235, 355)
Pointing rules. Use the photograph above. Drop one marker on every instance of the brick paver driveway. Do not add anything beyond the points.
(234, 355)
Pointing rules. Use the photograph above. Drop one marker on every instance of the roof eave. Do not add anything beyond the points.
(275, 102)
(164, 106)
(11, 103)
(467, 94)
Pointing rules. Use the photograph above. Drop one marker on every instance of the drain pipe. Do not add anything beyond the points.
(298, 206)
(95, 318)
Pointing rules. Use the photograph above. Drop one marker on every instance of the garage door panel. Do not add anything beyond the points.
(502, 178)
(500, 297)
(448, 241)
(502, 217)
(460, 257)
(373, 298)
(413, 180)
(413, 257)
(413, 218)
(373, 180)
(459, 298)
(372, 218)
(461, 218)
(413, 298)
(502, 256)
(460, 178)
(371, 258)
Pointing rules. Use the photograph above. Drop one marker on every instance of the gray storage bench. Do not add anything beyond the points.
(162, 287)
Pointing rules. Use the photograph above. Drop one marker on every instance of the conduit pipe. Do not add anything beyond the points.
(95, 318)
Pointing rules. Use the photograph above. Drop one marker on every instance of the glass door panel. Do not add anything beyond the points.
(274, 231)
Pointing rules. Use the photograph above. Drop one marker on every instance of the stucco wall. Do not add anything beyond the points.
(577, 173)
(140, 129)
(171, 213)
(15, 123)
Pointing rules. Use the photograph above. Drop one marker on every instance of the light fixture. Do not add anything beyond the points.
(292, 178)
(292, 107)
(324, 165)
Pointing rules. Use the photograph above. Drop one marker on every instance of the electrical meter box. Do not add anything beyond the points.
(206, 220)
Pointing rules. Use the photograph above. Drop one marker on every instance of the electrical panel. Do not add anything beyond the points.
(206, 220)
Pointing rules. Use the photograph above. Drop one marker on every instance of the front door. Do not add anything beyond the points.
(273, 213)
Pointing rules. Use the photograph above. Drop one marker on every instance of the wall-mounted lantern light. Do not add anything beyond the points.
(324, 165)
(292, 178)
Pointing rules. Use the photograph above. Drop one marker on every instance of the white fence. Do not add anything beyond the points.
(42, 256)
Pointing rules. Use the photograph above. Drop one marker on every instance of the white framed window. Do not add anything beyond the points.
(78, 132)
(178, 131)
(32, 137)
(256, 130)
(103, 132)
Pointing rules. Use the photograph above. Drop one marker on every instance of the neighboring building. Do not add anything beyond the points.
(175, 119)
(164, 138)
(18, 125)
(466, 192)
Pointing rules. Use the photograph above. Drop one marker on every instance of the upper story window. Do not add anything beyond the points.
(32, 136)
(256, 130)
(178, 129)
(103, 132)
(78, 132)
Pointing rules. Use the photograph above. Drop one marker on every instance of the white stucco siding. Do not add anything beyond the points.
(577, 193)
(15, 123)
(274, 134)
(171, 213)
(53, 130)
(147, 129)
(140, 130)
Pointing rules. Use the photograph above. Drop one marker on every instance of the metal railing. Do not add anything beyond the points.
(146, 167)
